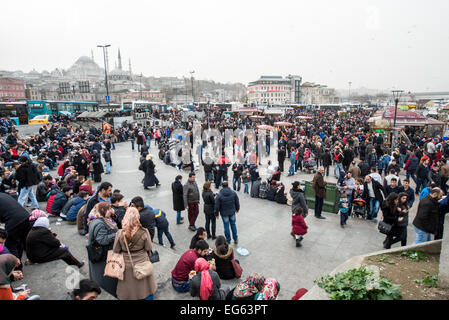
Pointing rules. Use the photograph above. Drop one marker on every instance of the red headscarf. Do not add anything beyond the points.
(201, 265)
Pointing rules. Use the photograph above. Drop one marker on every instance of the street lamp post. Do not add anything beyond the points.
(105, 68)
(396, 95)
(191, 79)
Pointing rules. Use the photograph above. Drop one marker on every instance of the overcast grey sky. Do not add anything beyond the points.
(375, 44)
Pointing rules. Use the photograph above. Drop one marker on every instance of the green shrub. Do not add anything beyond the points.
(414, 255)
(359, 284)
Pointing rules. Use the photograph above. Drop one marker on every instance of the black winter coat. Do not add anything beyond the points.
(209, 203)
(427, 217)
(178, 196)
(223, 263)
(11, 212)
(41, 245)
(27, 175)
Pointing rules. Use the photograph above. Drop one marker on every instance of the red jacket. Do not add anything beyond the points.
(185, 264)
(50, 201)
(299, 225)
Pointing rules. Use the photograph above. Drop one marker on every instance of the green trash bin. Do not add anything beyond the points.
(330, 203)
(332, 198)
(309, 194)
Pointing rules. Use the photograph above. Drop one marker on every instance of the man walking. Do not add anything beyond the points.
(191, 200)
(319, 186)
(427, 218)
(227, 204)
(27, 175)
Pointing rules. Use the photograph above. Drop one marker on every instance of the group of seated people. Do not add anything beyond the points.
(274, 191)
(200, 269)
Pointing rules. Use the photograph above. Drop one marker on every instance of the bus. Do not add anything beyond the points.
(52, 107)
(141, 105)
(16, 111)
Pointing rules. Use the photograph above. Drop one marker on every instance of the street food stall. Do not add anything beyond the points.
(407, 122)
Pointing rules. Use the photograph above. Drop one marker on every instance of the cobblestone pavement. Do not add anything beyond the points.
(263, 228)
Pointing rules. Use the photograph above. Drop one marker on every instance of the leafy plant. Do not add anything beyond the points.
(359, 284)
(386, 259)
(428, 280)
(414, 255)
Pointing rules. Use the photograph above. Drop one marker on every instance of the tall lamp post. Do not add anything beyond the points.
(105, 69)
(396, 95)
(191, 79)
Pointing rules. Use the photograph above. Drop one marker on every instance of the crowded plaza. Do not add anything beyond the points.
(215, 206)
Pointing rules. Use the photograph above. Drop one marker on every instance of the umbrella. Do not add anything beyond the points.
(304, 117)
(257, 117)
(265, 127)
(283, 124)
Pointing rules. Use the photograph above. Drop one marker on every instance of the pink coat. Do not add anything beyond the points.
(299, 226)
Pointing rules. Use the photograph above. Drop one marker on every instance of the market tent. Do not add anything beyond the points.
(283, 124)
(84, 114)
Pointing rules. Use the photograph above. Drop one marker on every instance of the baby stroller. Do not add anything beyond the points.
(310, 165)
(359, 208)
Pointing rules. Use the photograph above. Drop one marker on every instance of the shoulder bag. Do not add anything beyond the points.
(142, 269)
(384, 227)
(96, 252)
(237, 268)
(115, 265)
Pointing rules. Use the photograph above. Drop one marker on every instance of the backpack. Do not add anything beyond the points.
(263, 190)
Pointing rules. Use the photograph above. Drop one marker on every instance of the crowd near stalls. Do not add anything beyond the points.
(234, 153)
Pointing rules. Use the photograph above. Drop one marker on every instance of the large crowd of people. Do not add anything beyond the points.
(58, 167)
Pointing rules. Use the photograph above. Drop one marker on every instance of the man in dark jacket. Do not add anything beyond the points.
(103, 194)
(60, 200)
(147, 216)
(27, 175)
(327, 160)
(319, 186)
(426, 221)
(227, 204)
(281, 158)
(374, 193)
(422, 176)
(191, 195)
(15, 218)
(364, 168)
(42, 189)
(178, 198)
(410, 167)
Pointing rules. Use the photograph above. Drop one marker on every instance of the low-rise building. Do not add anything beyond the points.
(275, 90)
(11, 89)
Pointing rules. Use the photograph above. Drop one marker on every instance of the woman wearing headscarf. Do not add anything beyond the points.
(43, 246)
(150, 178)
(206, 284)
(139, 243)
(102, 231)
(249, 288)
(8, 263)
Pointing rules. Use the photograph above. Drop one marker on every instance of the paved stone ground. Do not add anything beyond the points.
(263, 228)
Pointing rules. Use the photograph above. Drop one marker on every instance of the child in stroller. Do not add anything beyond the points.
(359, 207)
(310, 164)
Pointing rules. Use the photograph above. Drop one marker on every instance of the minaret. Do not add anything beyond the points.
(92, 54)
(119, 60)
(130, 71)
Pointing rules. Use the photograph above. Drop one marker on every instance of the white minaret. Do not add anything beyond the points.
(119, 60)
(130, 70)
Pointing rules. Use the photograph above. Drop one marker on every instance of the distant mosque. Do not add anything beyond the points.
(118, 74)
(85, 68)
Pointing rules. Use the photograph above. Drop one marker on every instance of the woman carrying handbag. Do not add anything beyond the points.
(134, 242)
